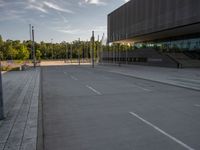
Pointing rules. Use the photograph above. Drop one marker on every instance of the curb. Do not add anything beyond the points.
(3, 72)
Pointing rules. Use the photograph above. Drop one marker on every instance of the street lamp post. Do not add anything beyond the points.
(52, 49)
(30, 28)
(126, 54)
(33, 46)
(87, 51)
(113, 53)
(79, 51)
(83, 52)
(98, 49)
(119, 55)
(1, 97)
(92, 49)
(101, 49)
(71, 52)
(108, 46)
(66, 52)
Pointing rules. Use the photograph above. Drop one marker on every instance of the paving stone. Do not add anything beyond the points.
(19, 130)
(29, 144)
(4, 132)
(30, 131)
(12, 147)
(1, 146)
(13, 141)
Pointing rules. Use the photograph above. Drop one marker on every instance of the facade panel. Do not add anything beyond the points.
(137, 18)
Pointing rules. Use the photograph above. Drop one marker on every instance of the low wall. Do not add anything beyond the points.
(147, 57)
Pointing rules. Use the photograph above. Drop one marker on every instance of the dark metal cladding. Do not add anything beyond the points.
(142, 20)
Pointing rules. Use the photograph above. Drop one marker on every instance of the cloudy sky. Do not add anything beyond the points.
(55, 19)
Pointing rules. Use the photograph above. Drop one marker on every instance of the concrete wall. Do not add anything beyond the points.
(142, 17)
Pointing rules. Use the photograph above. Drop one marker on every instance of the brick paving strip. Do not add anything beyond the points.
(19, 130)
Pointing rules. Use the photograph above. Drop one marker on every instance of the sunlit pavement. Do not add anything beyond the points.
(62, 63)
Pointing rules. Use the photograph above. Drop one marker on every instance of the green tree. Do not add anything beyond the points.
(16, 49)
(23, 53)
(11, 52)
(38, 54)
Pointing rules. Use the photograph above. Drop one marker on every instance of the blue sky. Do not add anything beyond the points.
(60, 20)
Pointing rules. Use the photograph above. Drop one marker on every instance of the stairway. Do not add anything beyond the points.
(184, 61)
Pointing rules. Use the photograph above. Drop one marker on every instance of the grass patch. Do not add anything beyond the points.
(9, 68)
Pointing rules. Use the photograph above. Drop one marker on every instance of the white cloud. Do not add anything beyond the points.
(31, 1)
(46, 15)
(66, 29)
(40, 8)
(94, 2)
(69, 31)
(56, 7)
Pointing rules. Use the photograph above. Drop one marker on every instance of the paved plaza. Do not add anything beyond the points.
(187, 77)
(109, 107)
(95, 109)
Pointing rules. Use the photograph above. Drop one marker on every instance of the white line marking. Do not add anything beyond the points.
(145, 89)
(95, 91)
(74, 78)
(197, 105)
(163, 132)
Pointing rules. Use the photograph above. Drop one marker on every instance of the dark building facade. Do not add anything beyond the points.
(159, 32)
(156, 21)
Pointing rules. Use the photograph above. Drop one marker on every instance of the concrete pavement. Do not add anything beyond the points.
(187, 77)
(108, 107)
(21, 93)
(85, 108)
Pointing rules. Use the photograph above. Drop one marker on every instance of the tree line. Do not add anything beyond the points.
(17, 50)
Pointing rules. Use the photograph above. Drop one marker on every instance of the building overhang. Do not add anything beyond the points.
(191, 29)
